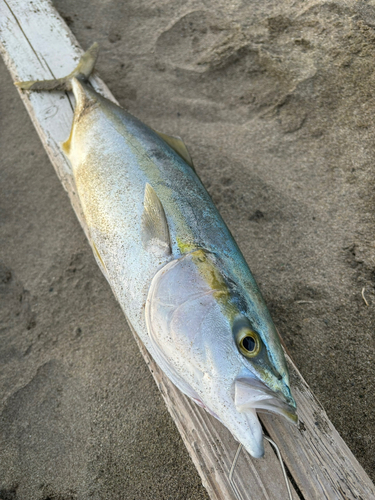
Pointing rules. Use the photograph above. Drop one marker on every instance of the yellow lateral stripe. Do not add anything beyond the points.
(216, 282)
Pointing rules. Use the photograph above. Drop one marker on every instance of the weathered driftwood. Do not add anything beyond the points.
(36, 43)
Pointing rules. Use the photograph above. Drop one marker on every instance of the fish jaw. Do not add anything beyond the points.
(218, 396)
(247, 430)
(237, 406)
(252, 394)
(240, 411)
(237, 400)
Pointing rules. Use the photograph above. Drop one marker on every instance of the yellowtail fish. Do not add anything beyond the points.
(173, 264)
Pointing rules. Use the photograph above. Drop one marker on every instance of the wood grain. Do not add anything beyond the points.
(36, 43)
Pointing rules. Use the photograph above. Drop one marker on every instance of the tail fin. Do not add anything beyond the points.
(82, 72)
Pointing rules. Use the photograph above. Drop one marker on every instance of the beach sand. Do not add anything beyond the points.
(276, 105)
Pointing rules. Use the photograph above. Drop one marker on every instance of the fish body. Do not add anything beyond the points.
(175, 268)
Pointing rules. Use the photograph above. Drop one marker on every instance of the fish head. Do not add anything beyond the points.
(218, 345)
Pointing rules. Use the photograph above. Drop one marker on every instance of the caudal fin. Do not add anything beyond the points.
(81, 72)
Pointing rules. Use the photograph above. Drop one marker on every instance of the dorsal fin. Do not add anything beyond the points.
(178, 145)
(155, 230)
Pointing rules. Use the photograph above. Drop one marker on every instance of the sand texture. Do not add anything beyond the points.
(275, 101)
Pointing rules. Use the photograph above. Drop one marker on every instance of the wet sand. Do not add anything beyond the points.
(275, 103)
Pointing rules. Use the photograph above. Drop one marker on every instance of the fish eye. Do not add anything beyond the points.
(248, 342)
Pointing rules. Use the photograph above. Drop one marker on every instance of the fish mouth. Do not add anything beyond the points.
(253, 394)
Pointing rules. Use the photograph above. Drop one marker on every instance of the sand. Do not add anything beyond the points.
(275, 102)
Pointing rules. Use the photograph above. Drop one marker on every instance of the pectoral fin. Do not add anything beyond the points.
(155, 231)
(177, 144)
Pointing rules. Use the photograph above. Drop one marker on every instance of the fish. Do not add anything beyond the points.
(172, 262)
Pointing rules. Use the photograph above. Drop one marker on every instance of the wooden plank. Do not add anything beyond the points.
(317, 457)
(36, 43)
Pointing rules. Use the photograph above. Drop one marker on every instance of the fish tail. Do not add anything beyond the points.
(81, 72)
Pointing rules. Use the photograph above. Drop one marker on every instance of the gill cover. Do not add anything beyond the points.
(180, 308)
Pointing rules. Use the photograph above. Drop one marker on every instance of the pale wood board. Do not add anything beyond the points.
(36, 43)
